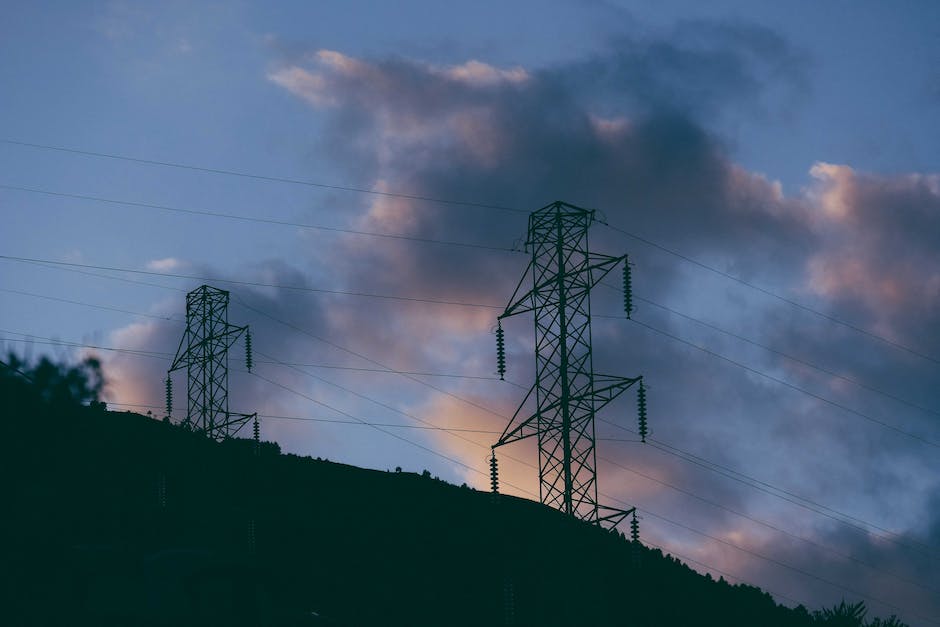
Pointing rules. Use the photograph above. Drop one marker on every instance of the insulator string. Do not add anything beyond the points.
(494, 474)
(248, 360)
(169, 397)
(627, 289)
(500, 352)
(641, 411)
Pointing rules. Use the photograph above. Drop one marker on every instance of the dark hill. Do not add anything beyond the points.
(119, 519)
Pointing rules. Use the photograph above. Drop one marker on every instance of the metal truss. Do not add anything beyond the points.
(567, 392)
(203, 351)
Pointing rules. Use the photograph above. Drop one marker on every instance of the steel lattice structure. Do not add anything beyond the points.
(567, 392)
(203, 351)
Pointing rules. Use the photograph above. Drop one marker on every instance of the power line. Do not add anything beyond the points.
(75, 302)
(482, 305)
(669, 551)
(618, 426)
(51, 265)
(330, 420)
(782, 564)
(192, 277)
(810, 505)
(386, 368)
(488, 410)
(823, 399)
(363, 357)
(18, 371)
(772, 294)
(683, 491)
(768, 525)
(271, 360)
(682, 525)
(378, 426)
(260, 177)
(417, 373)
(468, 304)
(445, 201)
(402, 412)
(788, 384)
(743, 549)
(36, 339)
(849, 520)
(429, 426)
(230, 216)
(358, 421)
(71, 266)
(363, 423)
(382, 430)
(798, 360)
(353, 392)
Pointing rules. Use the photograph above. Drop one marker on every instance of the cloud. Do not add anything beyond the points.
(480, 74)
(705, 69)
(300, 82)
(629, 131)
(524, 143)
(167, 264)
(883, 257)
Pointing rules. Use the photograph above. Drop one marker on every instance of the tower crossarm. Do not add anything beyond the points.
(610, 517)
(515, 430)
(607, 388)
(595, 271)
(235, 420)
(182, 353)
(229, 337)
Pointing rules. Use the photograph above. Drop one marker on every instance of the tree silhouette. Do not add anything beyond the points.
(54, 383)
(887, 622)
(843, 615)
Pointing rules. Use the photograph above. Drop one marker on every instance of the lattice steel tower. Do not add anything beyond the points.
(203, 351)
(567, 391)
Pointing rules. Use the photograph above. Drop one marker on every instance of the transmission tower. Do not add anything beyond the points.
(203, 351)
(567, 392)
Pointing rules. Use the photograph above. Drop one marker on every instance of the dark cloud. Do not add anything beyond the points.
(894, 574)
(485, 133)
(882, 262)
(699, 68)
(630, 131)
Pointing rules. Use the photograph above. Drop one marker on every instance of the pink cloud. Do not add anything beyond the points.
(881, 236)
(480, 74)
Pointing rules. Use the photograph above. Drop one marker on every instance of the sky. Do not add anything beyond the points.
(771, 169)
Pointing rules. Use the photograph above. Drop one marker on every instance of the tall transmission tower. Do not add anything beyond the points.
(567, 391)
(203, 351)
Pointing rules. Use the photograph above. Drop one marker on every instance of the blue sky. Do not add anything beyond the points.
(791, 145)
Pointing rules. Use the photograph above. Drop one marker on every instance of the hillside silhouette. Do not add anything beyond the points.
(121, 519)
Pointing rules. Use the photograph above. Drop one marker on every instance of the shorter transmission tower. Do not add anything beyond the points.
(566, 391)
(203, 351)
